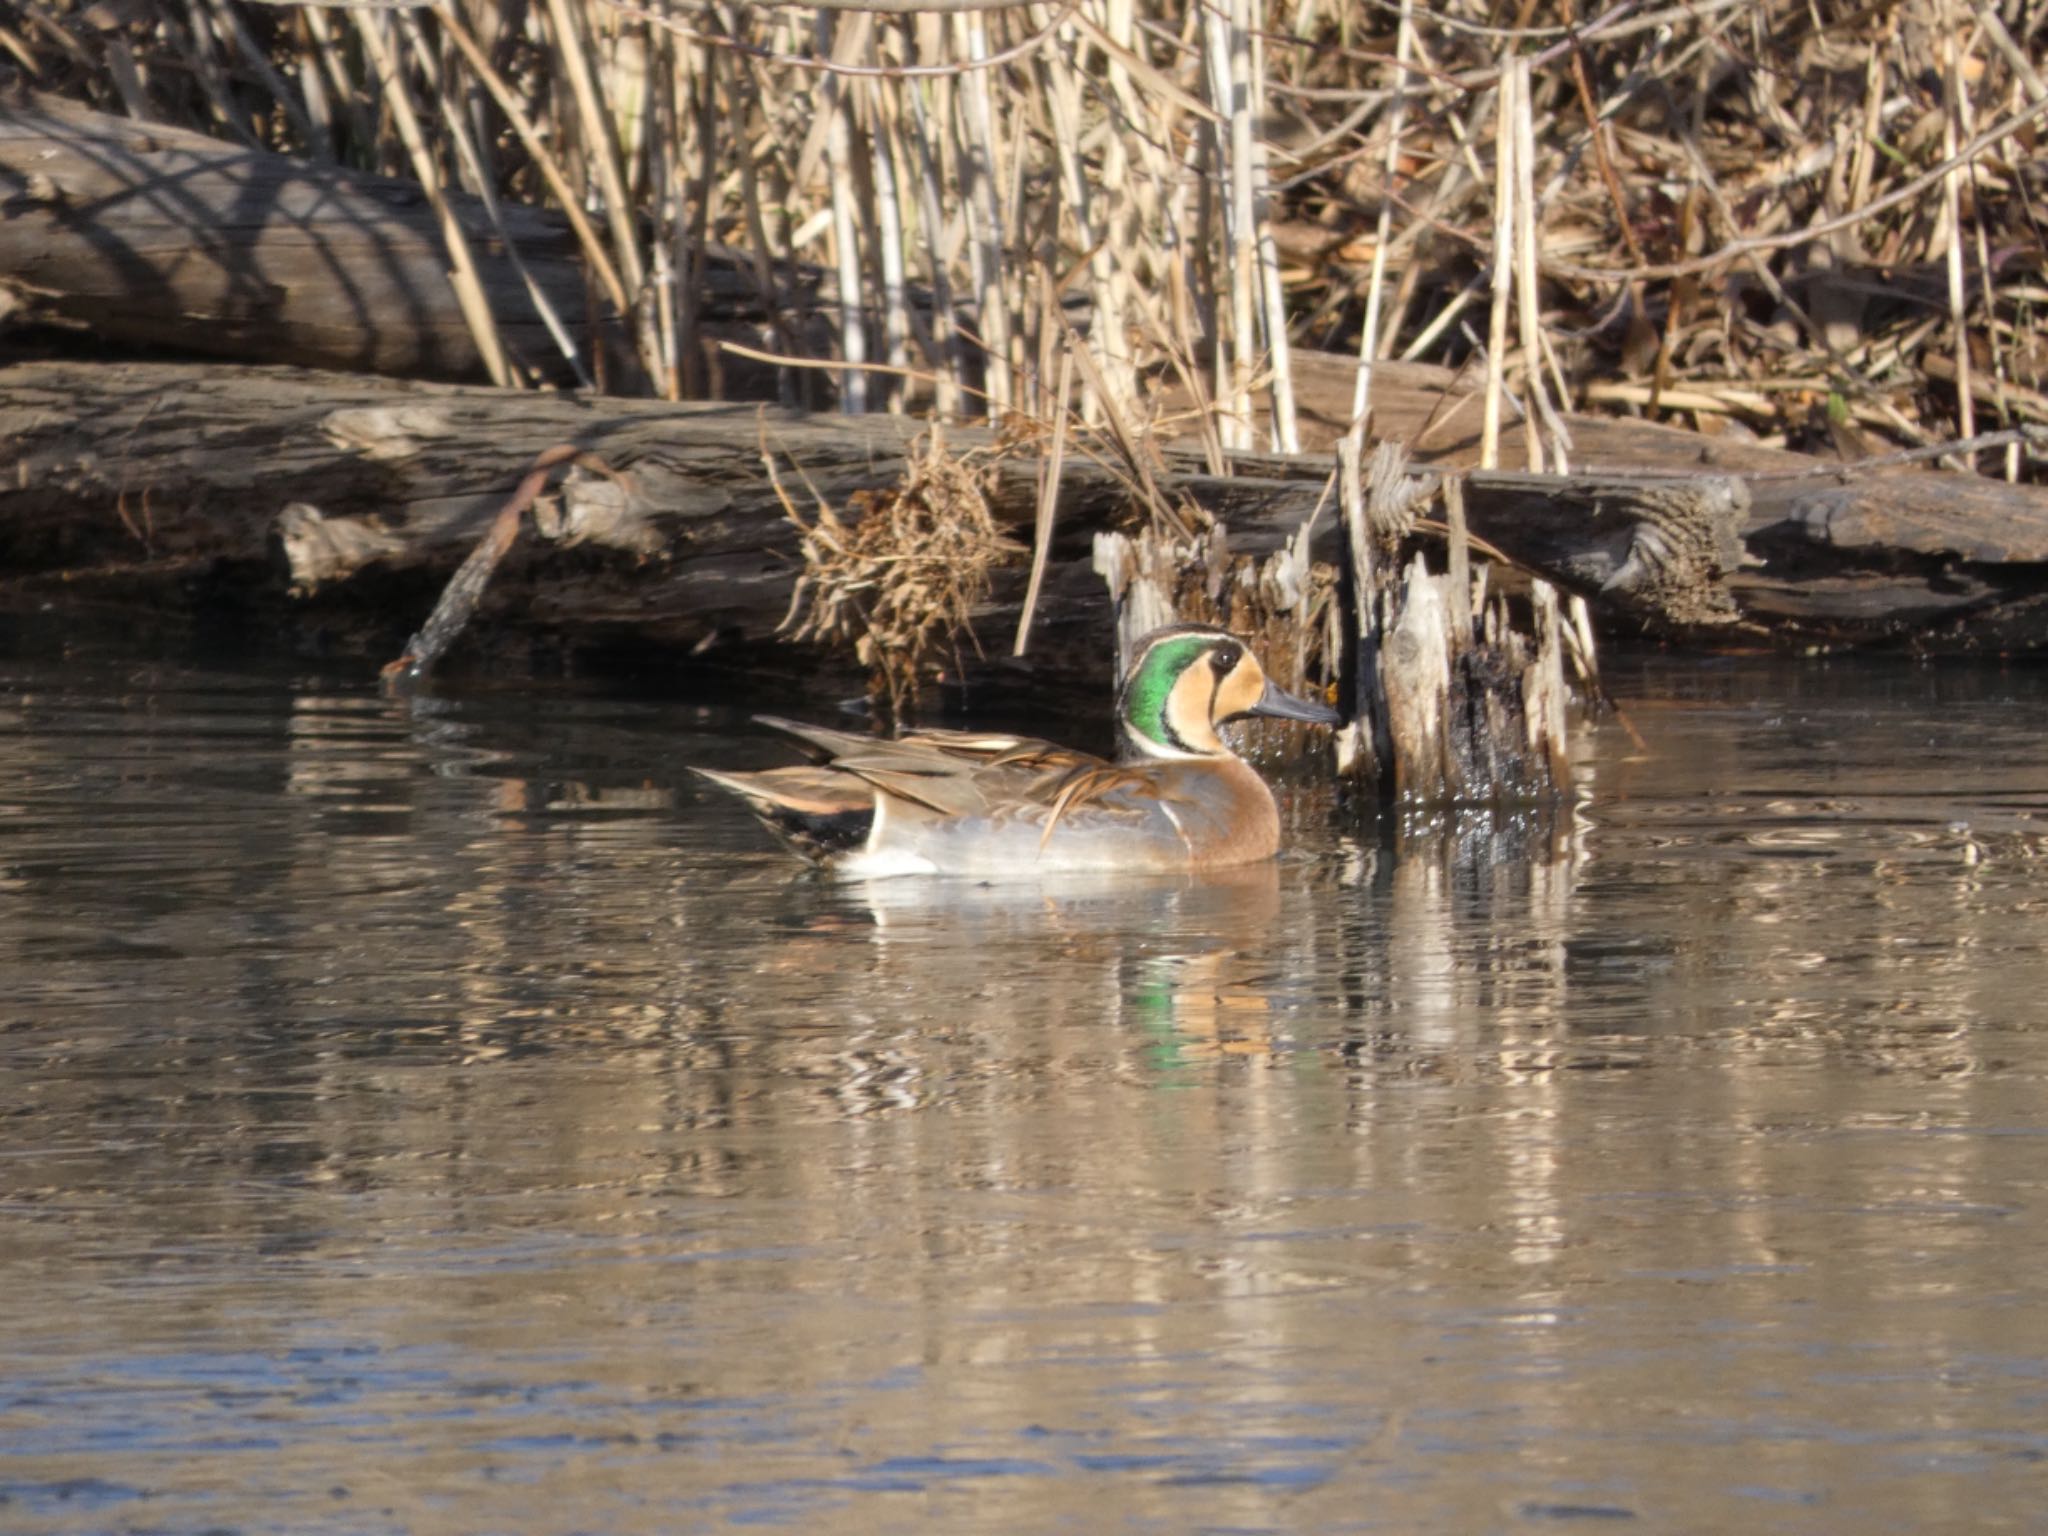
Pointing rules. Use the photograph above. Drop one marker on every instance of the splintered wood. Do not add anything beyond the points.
(1455, 687)
(1460, 690)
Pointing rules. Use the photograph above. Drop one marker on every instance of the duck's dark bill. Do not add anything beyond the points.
(1281, 704)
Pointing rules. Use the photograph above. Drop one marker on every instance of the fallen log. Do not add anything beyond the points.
(277, 483)
(147, 234)
(152, 234)
(168, 468)
(1834, 551)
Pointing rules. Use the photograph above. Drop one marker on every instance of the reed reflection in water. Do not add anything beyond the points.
(447, 1119)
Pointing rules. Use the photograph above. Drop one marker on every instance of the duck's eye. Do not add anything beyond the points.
(1225, 659)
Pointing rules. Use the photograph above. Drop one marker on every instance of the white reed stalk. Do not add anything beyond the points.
(1561, 444)
(668, 325)
(1503, 266)
(889, 226)
(705, 147)
(1369, 337)
(1952, 225)
(941, 238)
(2001, 402)
(1048, 491)
(979, 168)
(543, 158)
(1286, 436)
(600, 148)
(1224, 39)
(1193, 301)
(670, 139)
(455, 122)
(853, 339)
(1106, 339)
(1525, 264)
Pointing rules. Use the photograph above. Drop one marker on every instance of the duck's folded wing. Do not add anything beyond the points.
(828, 742)
(1027, 787)
(815, 791)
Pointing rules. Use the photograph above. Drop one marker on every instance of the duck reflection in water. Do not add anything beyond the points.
(1189, 961)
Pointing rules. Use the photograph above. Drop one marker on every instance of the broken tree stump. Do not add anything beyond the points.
(1462, 690)
(1456, 696)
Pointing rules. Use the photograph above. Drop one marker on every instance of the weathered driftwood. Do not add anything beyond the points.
(141, 478)
(144, 233)
(1832, 550)
(1656, 549)
(1459, 698)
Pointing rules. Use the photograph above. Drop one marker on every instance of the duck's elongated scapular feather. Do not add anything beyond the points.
(989, 804)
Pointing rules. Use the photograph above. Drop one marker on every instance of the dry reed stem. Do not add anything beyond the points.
(599, 143)
(1952, 220)
(1504, 183)
(1369, 332)
(1048, 500)
(1528, 311)
(977, 164)
(455, 121)
(838, 138)
(543, 161)
(893, 238)
(1273, 302)
(397, 89)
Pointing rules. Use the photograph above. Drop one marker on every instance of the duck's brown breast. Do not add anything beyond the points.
(1224, 811)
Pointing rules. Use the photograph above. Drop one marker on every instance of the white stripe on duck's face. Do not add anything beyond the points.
(1182, 687)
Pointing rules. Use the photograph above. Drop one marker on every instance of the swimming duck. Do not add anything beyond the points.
(991, 805)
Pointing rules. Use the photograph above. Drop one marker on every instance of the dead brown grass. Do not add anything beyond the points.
(900, 575)
(1812, 221)
(1816, 223)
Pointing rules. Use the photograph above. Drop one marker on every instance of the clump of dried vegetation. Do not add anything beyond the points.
(1814, 221)
(901, 576)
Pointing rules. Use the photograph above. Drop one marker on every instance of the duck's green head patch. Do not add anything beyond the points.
(1167, 705)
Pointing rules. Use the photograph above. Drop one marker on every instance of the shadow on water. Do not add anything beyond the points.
(452, 1118)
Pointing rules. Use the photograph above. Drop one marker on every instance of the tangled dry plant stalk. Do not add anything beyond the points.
(901, 576)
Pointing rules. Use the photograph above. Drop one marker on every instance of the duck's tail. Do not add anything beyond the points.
(818, 813)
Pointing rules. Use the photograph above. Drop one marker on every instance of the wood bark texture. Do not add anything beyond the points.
(172, 468)
(142, 478)
(142, 233)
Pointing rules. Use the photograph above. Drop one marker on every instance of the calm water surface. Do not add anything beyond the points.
(454, 1119)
